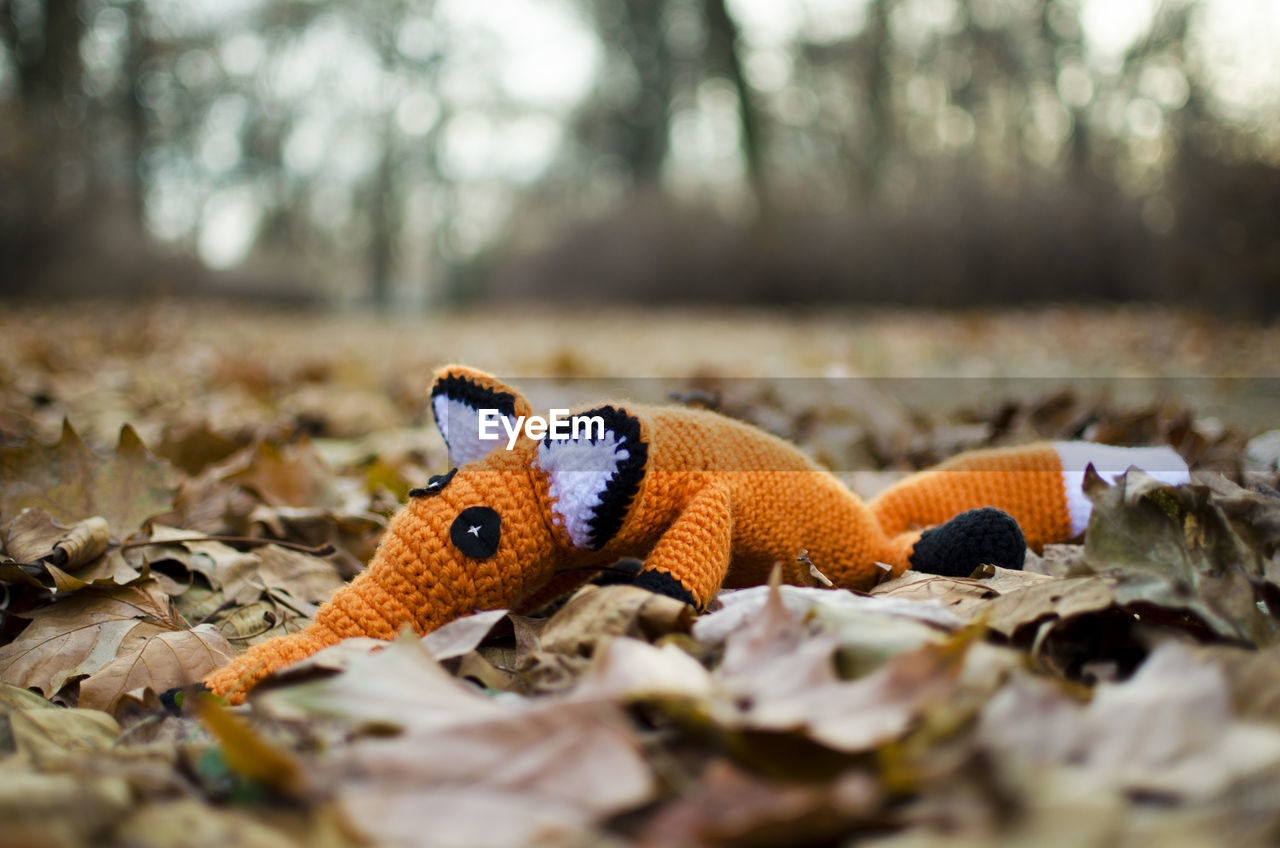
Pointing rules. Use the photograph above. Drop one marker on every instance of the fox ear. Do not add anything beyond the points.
(458, 395)
(593, 476)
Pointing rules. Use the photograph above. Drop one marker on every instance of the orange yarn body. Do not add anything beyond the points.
(718, 504)
(723, 502)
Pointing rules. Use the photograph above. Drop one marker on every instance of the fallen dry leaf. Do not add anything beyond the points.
(466, 769)
(208, 558)
(80, 635)
(781, 672)
(209, 504)
(462, 635)
(543, 773)
(400, 686)
(48, 553)
(595, 612)
(290, 583)
(34, 535)
(626, 670)
(1170, 729)
(734, 807)
(1057, 561)
(740, 605)
(292, 574)
(862, 714)
(193, 824)
(16, 698)
(768, 637)
(1253, 678)
(163, 661)
(72, 482)
(1023, 609)
(320, 664)
(964, 597)
(286, 475)
(467, 816)
(46, 735)
(193, 446)
(59, 810)
(1173, 547)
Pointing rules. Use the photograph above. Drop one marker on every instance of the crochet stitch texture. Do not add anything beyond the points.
(705, 501)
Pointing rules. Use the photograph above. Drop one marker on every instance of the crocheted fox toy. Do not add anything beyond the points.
(705, 501)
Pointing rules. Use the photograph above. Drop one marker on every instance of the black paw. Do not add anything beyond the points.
(173, 699)
(973, 538)
(664, 584)
(621, 573)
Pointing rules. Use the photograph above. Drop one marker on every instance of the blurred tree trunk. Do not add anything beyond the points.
(649, 122)
(1080, 142)
(876, 84)
(635, 126)
(442, 281)
(384, 221)
(137, 52)
(47, 63)
(726, 57)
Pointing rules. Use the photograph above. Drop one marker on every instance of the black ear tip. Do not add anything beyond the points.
(977, 537)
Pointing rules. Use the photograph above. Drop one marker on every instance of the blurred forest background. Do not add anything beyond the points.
(404, 153)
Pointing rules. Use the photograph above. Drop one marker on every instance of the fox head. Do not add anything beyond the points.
(514, 523)
(515, 515)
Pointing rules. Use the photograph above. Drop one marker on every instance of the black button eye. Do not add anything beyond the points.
(434, 486)
(476, 532)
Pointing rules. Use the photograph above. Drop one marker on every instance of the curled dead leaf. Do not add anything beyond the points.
(47, 553)
(33, 535)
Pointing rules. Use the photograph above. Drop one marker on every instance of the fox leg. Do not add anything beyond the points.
(1038, 485)
(690, 560)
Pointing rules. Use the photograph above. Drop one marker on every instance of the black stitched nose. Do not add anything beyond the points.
(476, 532)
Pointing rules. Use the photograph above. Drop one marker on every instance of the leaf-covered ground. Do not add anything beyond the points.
(177, 484)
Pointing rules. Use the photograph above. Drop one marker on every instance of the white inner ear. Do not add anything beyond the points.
(578, 471)
(1111, 462)
(460, 426)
